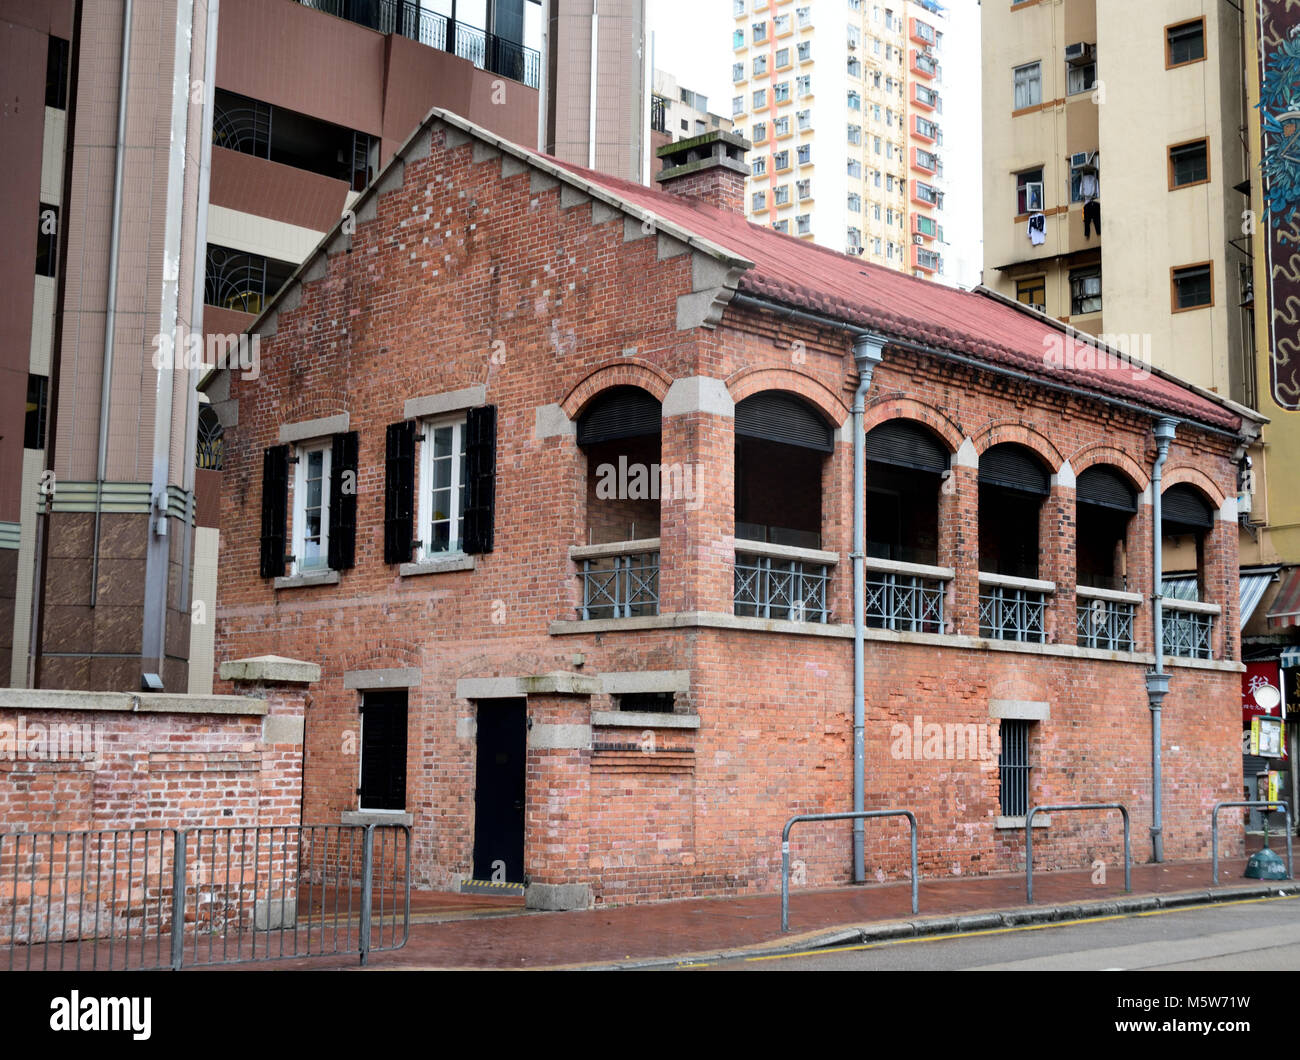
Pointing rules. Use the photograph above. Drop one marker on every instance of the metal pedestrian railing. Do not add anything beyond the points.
(1259, 805)
(170, 898)
(851, 816)
(1029, 840)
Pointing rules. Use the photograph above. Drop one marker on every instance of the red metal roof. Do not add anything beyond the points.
(798, 273)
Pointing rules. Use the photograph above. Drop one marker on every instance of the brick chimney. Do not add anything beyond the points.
(709, 168)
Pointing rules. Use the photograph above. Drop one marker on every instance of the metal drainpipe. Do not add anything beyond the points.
(110, 316)
(591, 118)
(1157, 679)
(867, 350)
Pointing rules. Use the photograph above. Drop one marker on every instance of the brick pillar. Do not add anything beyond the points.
(837, 525)
(1222, 581)
(557, 799)
(959, 540)
(284, 685)
(1057, 547)
(1138, 551)
(697, 504)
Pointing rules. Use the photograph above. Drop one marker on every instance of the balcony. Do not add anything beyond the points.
(407, 19)
(1014, 608)
(1105, 618)
(782, 582)
(1189, 628)
(905, 597)
(619, 580)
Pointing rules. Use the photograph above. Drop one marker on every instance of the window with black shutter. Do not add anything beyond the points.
(1104, 505)
(343, 502)
(906, 469)
(275, 498)
(480, 461)
(399, 492)
(1012, 485)
(383, 751)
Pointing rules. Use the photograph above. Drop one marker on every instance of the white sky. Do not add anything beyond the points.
(692, 41)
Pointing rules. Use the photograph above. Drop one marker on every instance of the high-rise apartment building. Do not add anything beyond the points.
(177, 160)
(1139, 172)
(680, 113)
(843, 103)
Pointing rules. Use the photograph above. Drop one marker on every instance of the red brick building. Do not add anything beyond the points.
(553, 475)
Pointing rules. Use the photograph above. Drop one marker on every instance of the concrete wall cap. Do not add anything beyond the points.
(274, 669)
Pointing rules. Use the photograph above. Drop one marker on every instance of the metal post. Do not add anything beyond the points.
(367, 888)
(1029, 840)
(1259, 804)
(178, 898)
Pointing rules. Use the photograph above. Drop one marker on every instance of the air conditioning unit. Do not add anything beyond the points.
(1038, 306)
(1079, 54)
(1079, 159)
(919, 240)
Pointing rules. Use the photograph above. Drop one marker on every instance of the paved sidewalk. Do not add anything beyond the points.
(692, 928)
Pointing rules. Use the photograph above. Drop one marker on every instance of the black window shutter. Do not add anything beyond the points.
(275, 498)
(343, 502)
(399, 492)
(481, 468)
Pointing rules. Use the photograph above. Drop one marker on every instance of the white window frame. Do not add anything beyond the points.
(1033, 85)
(302, 451)
(424, 462)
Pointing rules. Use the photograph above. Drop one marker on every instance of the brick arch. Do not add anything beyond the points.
(1102, 453)
(995, 432)
(623, 372)
(1185, 474)
(751, 381)
(381, 655)
(315, 407)
(889, 408)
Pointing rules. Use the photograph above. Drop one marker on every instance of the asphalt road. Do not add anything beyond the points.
(1240, 936)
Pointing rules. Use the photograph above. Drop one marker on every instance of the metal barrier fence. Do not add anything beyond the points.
(169, 898)
(860, 815)
(1029, 840)
(1258, 804)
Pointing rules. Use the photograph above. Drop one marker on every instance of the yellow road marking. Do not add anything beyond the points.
(1008, 930)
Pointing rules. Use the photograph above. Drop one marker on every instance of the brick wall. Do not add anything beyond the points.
(546, 300)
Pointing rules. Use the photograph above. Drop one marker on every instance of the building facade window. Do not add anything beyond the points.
(1029, 191)
(781, 92)
(803, 224)
(1033, 292)
(1013, 767)
(803, 188)
(311, 501)
(1185, 43)
(1189, 164)
(443, 476)
(782, 195)
(804, 154)
(1080, 78)
(759, 166)
(1193, 286)
(1028, 86)
(56, 73)
(1085, 291)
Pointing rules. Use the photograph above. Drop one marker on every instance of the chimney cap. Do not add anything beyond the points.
(717, 148)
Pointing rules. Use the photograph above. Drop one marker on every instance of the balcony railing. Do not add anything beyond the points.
(1014, 608)
(407, 19)
(907, 597)
(782, 582)
(1189, 628)
(619, 580)
(1105, 618)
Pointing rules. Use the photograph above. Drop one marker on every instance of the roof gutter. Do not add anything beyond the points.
(857, 330)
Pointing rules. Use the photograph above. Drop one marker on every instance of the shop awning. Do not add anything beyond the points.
(1253, 584)
(1286, 605)
(1290, 658)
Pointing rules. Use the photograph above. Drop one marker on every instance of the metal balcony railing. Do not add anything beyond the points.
(1105, 618)
(1014, 608)
(619, 580)
(782, 582)
(408, 19)
(1188, 628)
(907, 597)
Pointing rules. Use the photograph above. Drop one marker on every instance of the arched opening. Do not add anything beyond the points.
(1186, 521)
(1013, 485)
(782, 444)
(906, 468)
(1105, 502)
(620, 431)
